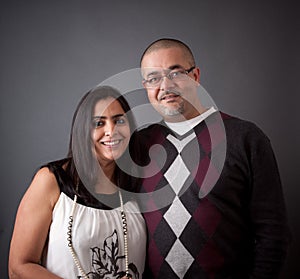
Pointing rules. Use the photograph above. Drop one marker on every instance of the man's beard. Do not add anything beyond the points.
(168, 111)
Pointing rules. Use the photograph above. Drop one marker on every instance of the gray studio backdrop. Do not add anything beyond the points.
(52, 52)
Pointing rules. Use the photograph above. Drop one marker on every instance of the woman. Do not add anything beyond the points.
(74, 221)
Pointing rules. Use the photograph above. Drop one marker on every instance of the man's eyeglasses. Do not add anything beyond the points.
(155, 79)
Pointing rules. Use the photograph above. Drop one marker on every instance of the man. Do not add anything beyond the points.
(215, 208)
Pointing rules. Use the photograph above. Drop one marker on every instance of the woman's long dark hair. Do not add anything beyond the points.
(82, 165)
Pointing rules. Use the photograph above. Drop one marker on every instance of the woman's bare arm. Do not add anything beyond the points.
(31, 228)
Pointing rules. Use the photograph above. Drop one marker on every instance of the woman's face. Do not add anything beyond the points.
(111, 131)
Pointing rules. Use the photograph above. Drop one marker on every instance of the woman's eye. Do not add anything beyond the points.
(120, 121)
(97, 124)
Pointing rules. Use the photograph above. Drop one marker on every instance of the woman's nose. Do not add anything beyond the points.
(109, 129)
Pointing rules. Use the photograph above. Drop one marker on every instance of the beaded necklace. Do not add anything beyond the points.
(70, 244)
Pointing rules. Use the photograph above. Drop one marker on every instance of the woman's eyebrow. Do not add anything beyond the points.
(105, 117)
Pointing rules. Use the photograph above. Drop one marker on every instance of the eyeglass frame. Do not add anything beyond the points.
(184, 71)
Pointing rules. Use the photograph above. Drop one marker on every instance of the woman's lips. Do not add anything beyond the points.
(111, 143)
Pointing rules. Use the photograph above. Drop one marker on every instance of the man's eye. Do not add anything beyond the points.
(154, 79)
(175, 74)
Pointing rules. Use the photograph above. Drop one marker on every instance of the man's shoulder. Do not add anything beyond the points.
(238, 127)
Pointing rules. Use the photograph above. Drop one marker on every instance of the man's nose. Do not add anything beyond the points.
(166, 83)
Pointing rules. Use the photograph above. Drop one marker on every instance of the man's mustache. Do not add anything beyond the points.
(168, 92)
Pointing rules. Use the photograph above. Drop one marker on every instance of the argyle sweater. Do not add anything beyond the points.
(215, 207)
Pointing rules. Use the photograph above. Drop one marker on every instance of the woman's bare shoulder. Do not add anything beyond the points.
(44, 186)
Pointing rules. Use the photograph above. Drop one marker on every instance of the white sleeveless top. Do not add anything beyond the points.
(98, 241)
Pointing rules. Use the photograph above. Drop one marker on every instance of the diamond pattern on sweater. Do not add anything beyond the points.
(166, 236)
(154, 218)
(193, 238)
(177, 216)
(179, 259)
(207, 216)
(177, 174)
(201, 235)
(154, 253)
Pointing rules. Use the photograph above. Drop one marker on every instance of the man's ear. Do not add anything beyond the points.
(196, 74)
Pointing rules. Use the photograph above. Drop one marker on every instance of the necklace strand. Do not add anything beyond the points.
(70, 243)
(124, 223)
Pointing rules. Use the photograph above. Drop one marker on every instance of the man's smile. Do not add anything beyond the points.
(169, 96)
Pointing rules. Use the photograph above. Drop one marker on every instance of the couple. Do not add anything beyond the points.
(76, 220)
